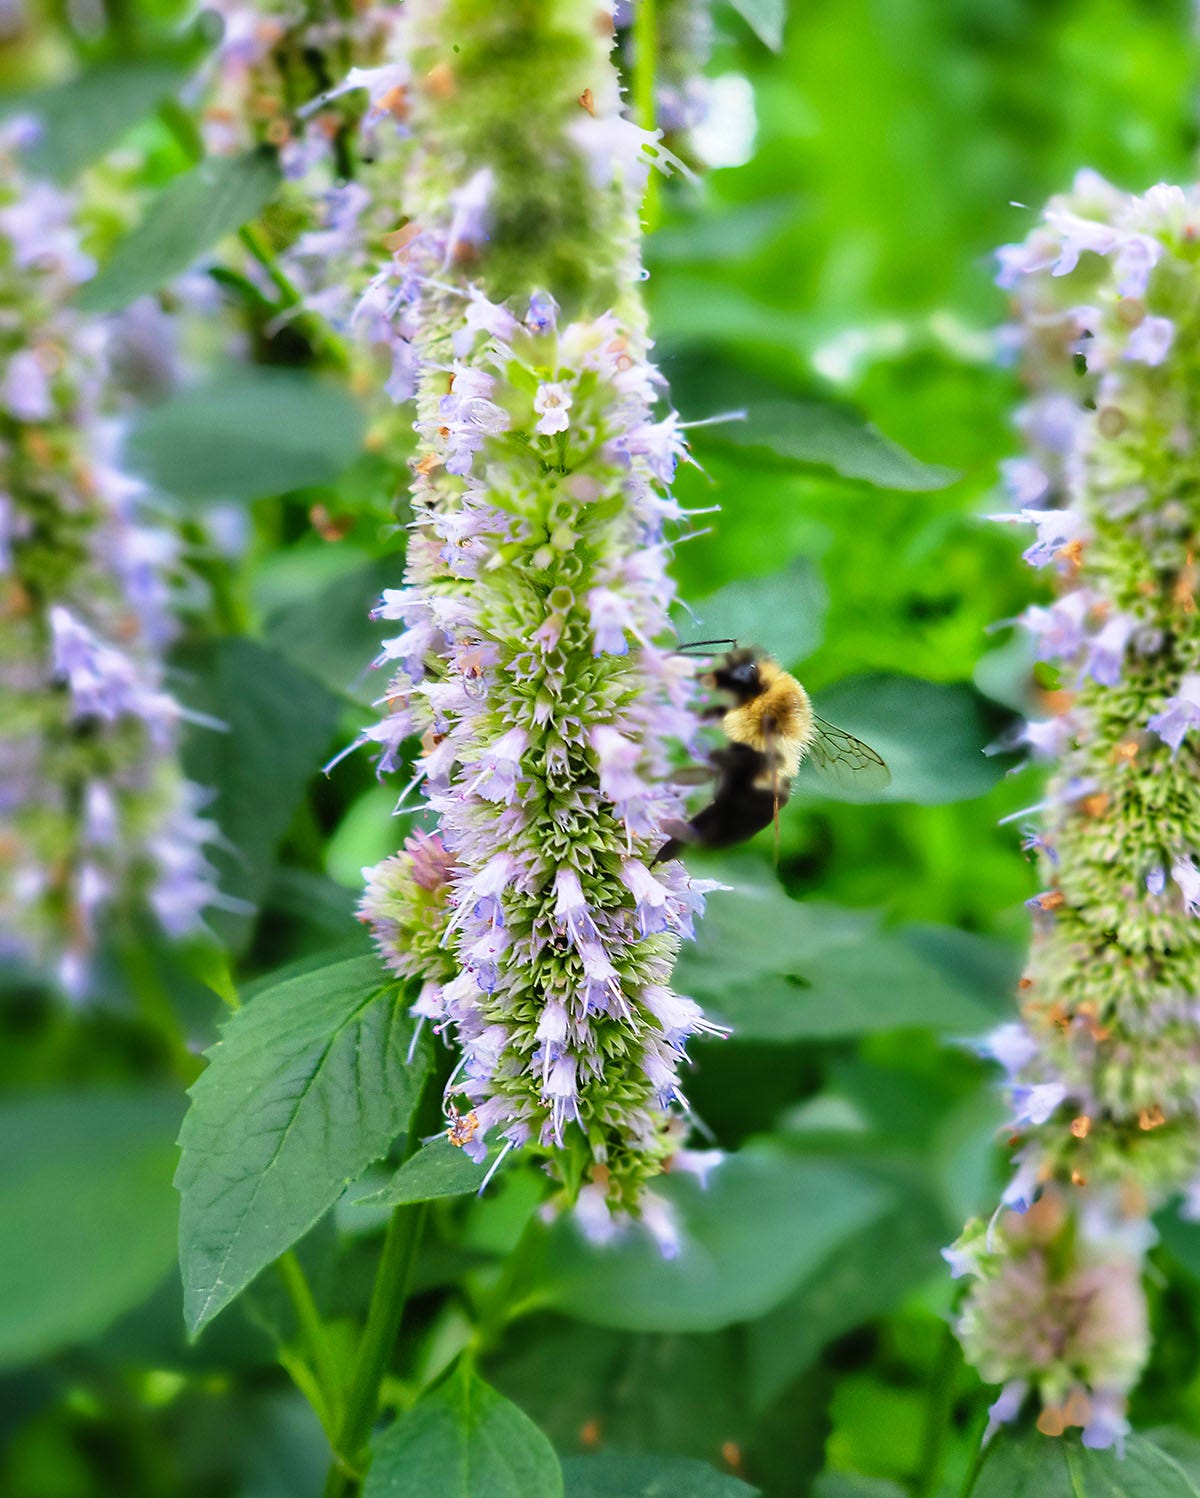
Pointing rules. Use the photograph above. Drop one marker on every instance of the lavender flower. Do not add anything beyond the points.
(534, 592)
(1104, 1065)
(94, 814)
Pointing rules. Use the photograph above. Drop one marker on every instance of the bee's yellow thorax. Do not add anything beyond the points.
(777, 722)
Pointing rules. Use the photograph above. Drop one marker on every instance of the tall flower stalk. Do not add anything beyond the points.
(1104, 1064)
(96, 818)
(531, 659)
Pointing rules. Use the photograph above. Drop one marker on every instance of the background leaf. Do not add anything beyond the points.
(308, 1086)
(88, 1213)
(249, 433)
(932, 734)
(766, 17)
(782, 969)
(279, 724)
(463, 1441)
(82, 118)
(820, 434)
(190, 215)
(764, 1222)
(790, 604)
(610, 1476)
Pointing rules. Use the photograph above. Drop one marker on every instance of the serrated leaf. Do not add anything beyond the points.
(309, 1084)
(88, 1213)
(80, 119)
(1027, 1464)
(791, 604)
(613, 1476)
(279, 724)
(249, 433)
(463, 1441)
(437, 1169)
(765, 18)
(762, 1225)
(189, 216)
(819, 434)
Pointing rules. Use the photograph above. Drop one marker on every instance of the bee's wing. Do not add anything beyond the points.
(846, 760)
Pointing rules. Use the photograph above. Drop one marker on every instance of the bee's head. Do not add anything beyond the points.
(738, 675)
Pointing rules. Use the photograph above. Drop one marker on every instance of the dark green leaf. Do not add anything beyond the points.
(437, 1169)
(865, 1276)
(817, 434)
(187, 218)
(781, 969)
(762, 1226)
(81, 119)
(251, 433)
(279, 724)
(88, 1213)
(1030, 1465)
(608, 1476)
(463, 1441)
(331, 632)
(932, 734)
(790, 604)
(309, 1084)
(766, 18)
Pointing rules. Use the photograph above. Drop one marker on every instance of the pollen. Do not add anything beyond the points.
(463, 1128)
(1081, 1127)
(587, 101)
(1151, 1118)
(1125, 752)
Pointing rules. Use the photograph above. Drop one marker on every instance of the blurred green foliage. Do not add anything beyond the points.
(802, 1346)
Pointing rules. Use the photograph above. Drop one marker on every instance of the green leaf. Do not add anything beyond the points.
(250, 433)
(81, 119)
(760, 1228)
(279, 724)
(331, 631)
(1029, 1465)
(792, 604)
(188, 217)
(932, 734)
(765, 18)
(819, 434)
(611, 1476)
(88, 1213)
(855, 1485)
(778, 969)
(864, 1277)
(463, 1441)
(437, 1169)
(308, 1085)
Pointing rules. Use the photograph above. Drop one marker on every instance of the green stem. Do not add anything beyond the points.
(375, 1350)
(937, 1415)
(154, 1005)
(972, 1478)
(314, 1335)
(645, 60)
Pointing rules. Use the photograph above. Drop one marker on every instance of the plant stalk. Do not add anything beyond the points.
(375, 1350)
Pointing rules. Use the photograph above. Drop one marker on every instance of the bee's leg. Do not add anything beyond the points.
(692, 775)
(682, 833)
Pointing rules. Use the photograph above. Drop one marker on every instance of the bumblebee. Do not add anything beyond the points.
(770, 728)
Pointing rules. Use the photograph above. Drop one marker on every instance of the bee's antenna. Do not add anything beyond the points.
(702, 645)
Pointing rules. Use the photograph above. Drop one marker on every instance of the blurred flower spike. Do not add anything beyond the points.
(527, 658)
(1104, 1066)
(95, 816)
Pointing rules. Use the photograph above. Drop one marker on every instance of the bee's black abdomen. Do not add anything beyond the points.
(739, 808)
